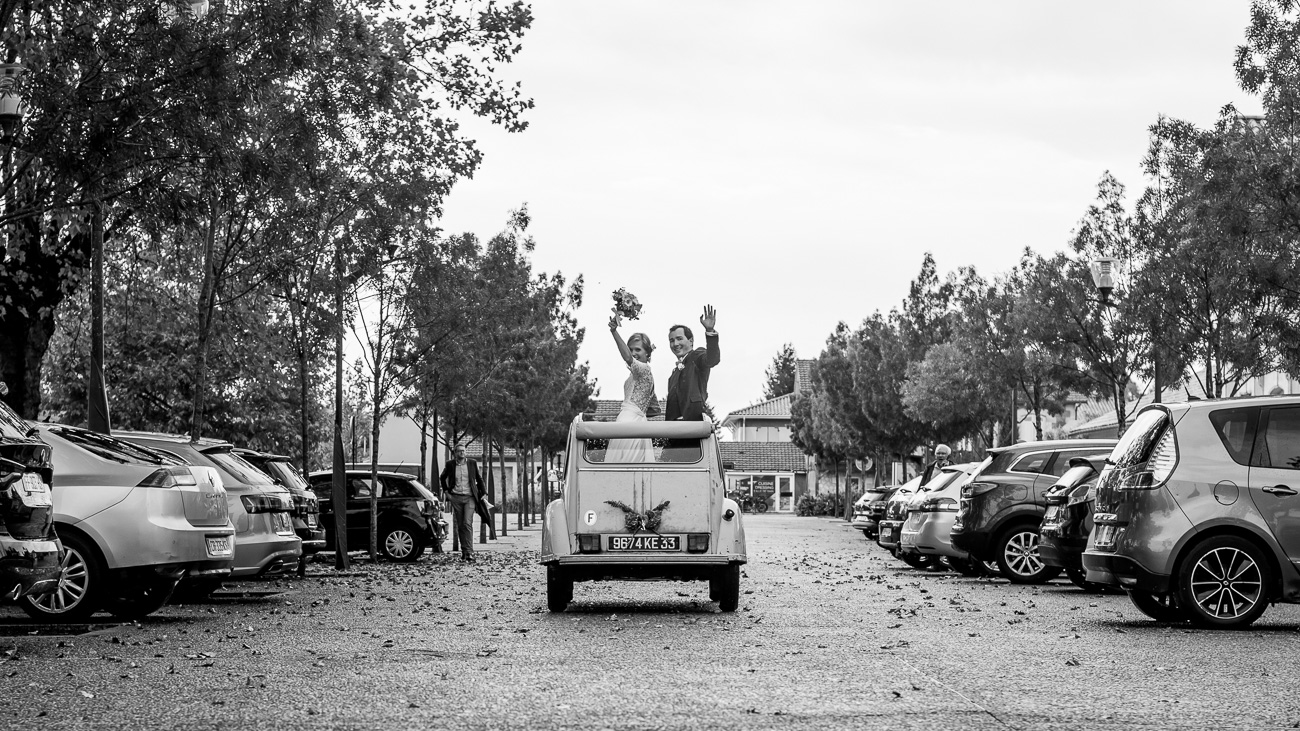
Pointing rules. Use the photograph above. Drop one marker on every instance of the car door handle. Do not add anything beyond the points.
(1278, 490)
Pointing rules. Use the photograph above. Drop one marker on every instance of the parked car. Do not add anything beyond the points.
(866, 517)
(30, 553)
(930, 515)
(134, 523)
(410, 516)
(662, 520)
(306, 506)
(1196, 511)
(1000, 512)
(265, 542)
(890, 526)
(1067, 522)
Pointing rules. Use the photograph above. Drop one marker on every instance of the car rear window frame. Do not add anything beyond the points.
(660, 449)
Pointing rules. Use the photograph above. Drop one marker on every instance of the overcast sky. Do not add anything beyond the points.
(790, 163)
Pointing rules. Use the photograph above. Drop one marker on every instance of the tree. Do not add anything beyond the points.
(781, 373)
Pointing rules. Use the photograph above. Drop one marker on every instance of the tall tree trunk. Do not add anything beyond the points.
(304, 420)
(1038, 409)
(207, 310)
(424, 443)
(97, 410)
(505, 486)
(519, 485)
(338, 486)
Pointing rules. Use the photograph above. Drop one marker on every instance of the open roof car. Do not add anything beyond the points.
(664, 518)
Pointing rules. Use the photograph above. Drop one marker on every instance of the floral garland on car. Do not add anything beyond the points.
(636, 522)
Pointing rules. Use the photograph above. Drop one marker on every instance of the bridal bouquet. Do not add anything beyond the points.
(626, 304)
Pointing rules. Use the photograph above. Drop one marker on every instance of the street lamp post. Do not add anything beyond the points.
(1103, 277)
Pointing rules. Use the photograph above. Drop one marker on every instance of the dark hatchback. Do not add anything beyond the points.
(30, 552)
(306, 506)
(1063, 534)
(410, 517)
(1000, 512)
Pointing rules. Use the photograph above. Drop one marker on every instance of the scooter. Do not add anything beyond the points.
(748, 504)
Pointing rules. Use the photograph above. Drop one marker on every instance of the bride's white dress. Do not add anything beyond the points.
(638, 390)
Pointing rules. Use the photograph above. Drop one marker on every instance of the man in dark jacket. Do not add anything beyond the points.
(688, 386)
(463, 486)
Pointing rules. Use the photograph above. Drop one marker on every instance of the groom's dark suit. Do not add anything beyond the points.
(688, 386)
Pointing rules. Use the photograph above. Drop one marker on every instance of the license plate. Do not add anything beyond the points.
(310, 520)
(890, 535)
(34, 492)
(907, 539)
(1104, 536)
(218, 545)
(645, 543)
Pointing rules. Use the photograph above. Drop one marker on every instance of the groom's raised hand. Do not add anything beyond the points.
(709, 318)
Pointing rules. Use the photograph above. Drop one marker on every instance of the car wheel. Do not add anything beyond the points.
(725, 588)
(919, 560)
(761, 506)
(1160, 607)
(400, 543)
(1018, 558)
(1223, 583)
(80, 589)
(968, 567)
(141, 598)
(559, 589)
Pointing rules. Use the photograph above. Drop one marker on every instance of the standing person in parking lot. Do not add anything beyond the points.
(941, 460)
(461, 482)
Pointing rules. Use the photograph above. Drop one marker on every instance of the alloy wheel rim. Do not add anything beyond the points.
(399, 544)
(72, 585)
(1227, 583)
(1021, 554)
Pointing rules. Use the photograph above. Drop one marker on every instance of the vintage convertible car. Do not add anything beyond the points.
(666, 519)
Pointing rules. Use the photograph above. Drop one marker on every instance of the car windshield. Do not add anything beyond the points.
(109, 448)
(238, 468)
(1134, 447)
(665, 451)
(11, 424)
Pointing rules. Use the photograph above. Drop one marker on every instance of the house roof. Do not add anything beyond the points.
(803, 376)
(763, 457)
(777, 408)
(607, 409)
(1106, 421)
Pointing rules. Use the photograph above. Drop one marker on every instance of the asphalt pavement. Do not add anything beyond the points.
(832, 632)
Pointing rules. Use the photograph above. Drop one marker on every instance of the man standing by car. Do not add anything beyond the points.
(941, 454)
(461, 482)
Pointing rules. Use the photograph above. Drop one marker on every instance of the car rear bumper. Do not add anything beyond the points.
(1118, 570)
(1055, 550)
(28, 568)
(258, 553)
(932, 535)
(597, 567)
(975, 543)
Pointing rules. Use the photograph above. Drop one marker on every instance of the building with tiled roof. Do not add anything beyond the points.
(766, 421)
(763, 457)
(607, 410)
(1104, 425)
(803, 377)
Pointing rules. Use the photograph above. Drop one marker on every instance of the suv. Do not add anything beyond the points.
(1001, 510)
(1196, 511)
(30, 554)
(865, 517)
(265, 542)
(306, 508)
(410, 517)
(666, 519)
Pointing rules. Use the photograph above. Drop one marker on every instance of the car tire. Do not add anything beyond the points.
(920, 561)
(1160, 607)
(866, 532)
(761, 506)
(141, 598)
(1224, 583)
(1018, 558)
(725, 588)
(80, 591)
(559, 589)
(401, 543)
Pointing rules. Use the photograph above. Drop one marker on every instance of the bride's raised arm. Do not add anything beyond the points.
(623, 350)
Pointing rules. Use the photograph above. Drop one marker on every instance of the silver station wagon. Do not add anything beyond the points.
(665, 517)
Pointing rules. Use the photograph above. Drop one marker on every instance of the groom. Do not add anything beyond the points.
(688, 386)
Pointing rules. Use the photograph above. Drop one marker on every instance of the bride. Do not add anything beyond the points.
(638, 395)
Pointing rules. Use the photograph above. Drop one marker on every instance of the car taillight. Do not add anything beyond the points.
(169, 477)
(588, 543)
(1163, 457)
(429, 508)
(697, 542)
(939, 505)
(264, 504)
